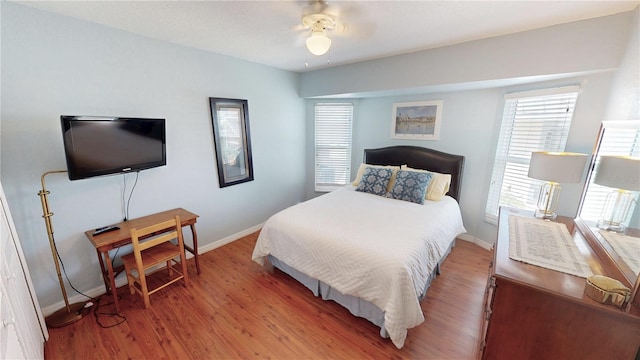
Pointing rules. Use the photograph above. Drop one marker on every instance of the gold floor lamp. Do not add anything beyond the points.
(71, 312)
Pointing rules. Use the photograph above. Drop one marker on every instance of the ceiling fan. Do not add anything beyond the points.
(320, 19)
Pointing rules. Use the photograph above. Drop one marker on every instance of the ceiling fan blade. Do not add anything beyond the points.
(301, 40)
(355, 31)
(299, 28)
(320, 7)
(348, 12)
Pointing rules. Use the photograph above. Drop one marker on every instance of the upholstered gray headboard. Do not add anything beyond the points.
(420, 158)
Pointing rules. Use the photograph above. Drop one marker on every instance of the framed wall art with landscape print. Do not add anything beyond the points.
(418, 120)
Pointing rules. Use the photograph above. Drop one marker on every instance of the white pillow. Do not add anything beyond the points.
(438, 186)
(391, 181)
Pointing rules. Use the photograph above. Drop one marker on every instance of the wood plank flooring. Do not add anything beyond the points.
(236, 309)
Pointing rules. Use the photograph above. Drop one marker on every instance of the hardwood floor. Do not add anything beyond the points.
(236, 309)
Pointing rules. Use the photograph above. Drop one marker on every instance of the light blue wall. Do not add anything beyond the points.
(583, 46)
(53, 65)
(472, 79)
(624, 101)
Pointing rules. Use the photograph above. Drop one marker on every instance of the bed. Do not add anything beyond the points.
(374, 255)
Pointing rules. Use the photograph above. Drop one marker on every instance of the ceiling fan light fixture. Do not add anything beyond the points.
(318, 43)
(319, 19)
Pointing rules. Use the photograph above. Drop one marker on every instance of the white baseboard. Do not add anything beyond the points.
(472, 239)
(122, 280)
(229, 239)
(93, 293)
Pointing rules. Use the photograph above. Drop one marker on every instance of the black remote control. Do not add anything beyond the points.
(105, 229)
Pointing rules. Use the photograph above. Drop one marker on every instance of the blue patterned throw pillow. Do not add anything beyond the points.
(375, 180)
(410, 186)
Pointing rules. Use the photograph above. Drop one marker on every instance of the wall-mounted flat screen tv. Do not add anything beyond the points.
(96, 145)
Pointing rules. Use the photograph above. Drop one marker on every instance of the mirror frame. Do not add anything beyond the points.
(601, 247)
(243, 163)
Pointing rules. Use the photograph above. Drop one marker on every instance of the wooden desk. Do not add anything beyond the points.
(533, 312)
(113, 239)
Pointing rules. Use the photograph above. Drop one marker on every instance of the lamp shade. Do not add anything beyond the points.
(318, 43)
(620, 172)
(560, 167)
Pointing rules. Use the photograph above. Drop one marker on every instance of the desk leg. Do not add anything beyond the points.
(105, 279)
(195, 246)
(112, 281)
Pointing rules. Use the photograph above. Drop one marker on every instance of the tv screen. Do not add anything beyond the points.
(96, 146)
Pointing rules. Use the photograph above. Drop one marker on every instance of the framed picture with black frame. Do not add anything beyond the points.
(230, 120)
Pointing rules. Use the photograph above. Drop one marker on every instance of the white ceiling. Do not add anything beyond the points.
(269, 32)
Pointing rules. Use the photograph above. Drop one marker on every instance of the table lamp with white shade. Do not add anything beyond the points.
(623, 174)
(554, 168)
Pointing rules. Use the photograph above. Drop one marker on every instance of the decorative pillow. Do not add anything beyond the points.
(375, 180)
(410, 186)
(363, 166)
(438, 186)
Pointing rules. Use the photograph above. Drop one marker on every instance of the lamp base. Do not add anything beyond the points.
(63, 317)
(548, 201)
(545, 215)
(618, 207)
(611, 226)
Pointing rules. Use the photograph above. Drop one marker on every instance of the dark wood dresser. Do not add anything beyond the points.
(536, 313)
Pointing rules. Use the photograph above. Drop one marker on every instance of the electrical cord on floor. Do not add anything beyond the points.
(95, 301)
(97, 314)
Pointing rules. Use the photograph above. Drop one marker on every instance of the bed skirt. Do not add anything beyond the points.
(357, 306)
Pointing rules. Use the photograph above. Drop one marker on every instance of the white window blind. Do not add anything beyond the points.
(332, 145)
(620, 138)
(532, 121)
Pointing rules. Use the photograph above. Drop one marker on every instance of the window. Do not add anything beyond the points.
(532, 121)
(616, 138)
(332, 145)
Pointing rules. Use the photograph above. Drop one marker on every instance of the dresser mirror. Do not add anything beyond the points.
(619, 243)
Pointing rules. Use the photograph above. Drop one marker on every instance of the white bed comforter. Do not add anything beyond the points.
(378, 249)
